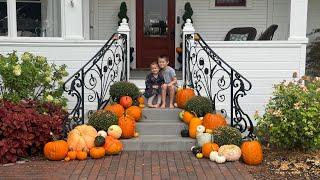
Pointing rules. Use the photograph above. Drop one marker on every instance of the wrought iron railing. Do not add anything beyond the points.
(92, 82)
(211, 76)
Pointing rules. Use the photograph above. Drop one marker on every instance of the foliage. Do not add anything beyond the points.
(199, 105)
(226, 135)
(123, 12)
(123, 88)
(102, 120)
(291, 118)
(313, 56)
(25, 127)
(188, 12)
(31, 77)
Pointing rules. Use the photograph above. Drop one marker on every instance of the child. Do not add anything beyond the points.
(170, 81)
(154, 81)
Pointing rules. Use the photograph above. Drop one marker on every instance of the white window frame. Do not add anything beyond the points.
(12, 23)
(212, 5)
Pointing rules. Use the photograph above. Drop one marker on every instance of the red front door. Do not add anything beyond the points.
(155, 31)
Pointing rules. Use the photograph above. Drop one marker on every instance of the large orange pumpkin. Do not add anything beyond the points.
(194, 123)
(187, 116)
(56, 150)
(128, 126)
(212, 121)
(112, 146)
(207, 148)
(183, 96)
(135, 112)
(252, 153)
(117, 109)
(126, 101)
(82, 138)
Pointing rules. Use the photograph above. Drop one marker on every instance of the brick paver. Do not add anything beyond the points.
(129, 165)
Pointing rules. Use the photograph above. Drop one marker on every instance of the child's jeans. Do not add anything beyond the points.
(158, 98)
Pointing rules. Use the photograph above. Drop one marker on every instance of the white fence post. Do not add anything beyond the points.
(187, 29)
(124, 29)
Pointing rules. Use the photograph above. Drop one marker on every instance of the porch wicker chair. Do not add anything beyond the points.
(249, 32)
(268, 33)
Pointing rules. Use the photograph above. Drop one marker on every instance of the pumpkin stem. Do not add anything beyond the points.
(194, 113)
(53, 136)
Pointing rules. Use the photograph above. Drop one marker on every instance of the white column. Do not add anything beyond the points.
(12, 18)
(72, 19)
(187, 29)
(298, 20)
(124, 29)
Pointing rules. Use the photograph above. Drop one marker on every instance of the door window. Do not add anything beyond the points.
(155, 18)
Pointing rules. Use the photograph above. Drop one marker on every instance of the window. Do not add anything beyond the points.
(3, 18)
(230, 2)
(38, 18)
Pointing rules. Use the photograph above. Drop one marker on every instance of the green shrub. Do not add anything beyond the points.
(199, 105)
(227, 135)
(123, 88)
(292, 116)
(102, 120)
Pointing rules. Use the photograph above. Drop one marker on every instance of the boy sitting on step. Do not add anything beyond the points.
(170, 81)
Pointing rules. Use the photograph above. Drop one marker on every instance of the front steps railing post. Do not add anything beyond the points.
(188, 29)
(124, 29)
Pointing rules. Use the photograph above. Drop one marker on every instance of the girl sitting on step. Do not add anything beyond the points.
(154, 81)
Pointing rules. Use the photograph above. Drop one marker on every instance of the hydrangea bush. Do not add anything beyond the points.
(292, 117)
(31, 77)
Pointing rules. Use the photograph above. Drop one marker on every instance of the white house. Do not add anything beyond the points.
(72, 31)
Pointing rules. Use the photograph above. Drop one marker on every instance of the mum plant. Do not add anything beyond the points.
(31, 77)
(292, 116)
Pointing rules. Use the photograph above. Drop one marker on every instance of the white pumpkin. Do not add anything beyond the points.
(231, 152)
(202, 138)
(213, 156)
(200, 129)
(220, 159)
(102, 133)
(115, 131)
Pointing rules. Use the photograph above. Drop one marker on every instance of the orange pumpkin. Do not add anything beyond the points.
(212, 121)
(128, 126)
(117, 109)
(112, 146)
(187, 116)
(179, 50)
(194, 123)
(82, 155)
(140, 100)
(135, 112)
(72, 155)
(183, 96)
(97, 152)
(252, 153)
(56, 150)
(82, 138)
(208, 148)
(126, 101)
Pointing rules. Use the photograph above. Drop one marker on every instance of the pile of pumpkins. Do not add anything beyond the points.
(85, 140)
(201, 128)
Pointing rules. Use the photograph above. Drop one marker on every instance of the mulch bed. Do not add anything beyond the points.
(279, 164)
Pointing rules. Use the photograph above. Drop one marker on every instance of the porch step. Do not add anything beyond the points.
(140, 83)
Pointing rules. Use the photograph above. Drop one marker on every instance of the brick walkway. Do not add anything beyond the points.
(129, 165)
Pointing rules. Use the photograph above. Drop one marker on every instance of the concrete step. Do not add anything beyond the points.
(140, 83)
(158, 143)
(160, 114)
(160, 128)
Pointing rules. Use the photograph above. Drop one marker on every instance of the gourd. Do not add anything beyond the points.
(135, 112)
(82, 138)
(126, 101)
(208, 148)
(128, 126)
(97, 152)
(82, 155)
(187, 116)
(252, 153)
(202, 138)
(140, 100)
(181, 115)
(56, 150)
(117, 109)
(212, 121)
(231, 152)
(214, 156)
(194, 123)
(112, 146)
(195, 150)
(102, 133)
(72, 155)
(99, 141)
(115, 131)
(183, 96)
